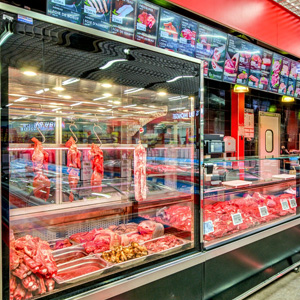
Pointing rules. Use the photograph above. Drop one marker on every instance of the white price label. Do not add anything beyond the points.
(200, 46)
(208, 227)
(250, 83)
(141, 27)
(261, 86)
(263, 67)
(237, 219)
(61, 2)
(182, 40)
(239, 80)
(284, 204)
(90, 10)
(117, 19)
(164, 34)
(242, 59)
(293, 203)
(263, 210)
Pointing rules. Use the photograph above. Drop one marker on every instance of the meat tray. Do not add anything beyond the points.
(63, 256)
(80, 269)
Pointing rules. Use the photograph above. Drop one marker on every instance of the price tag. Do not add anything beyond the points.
(183, 40)
(242, 59)
(263, 67)
(284, 204)
(239, 80)
(293, 203)
(237, 219)
(250, 83)
(141, 26)
(200, 46)
(164, 34)
(208, 227)
(261, 86)
(90, 10)
(263, 210)
(117, 19)
(61, 2)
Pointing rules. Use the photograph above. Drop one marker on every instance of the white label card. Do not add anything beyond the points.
(237, 219)
(90, 10)
(284, 204)
(141, 26)
(263, 210)
(208, 227)
(164, 34)
(61, 2)
(182, 40)
(293, 203)
(117, 19)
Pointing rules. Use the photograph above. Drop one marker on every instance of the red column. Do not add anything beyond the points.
(237, 128)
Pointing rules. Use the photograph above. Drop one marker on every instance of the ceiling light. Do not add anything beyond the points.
(70, 81)
(131, 105)
(107, 95)
(100, 98)
(106, 85)
(59, 88)
(30, 73)
(75, 104)
(110, 63)
(117, 102)
(40, 113)
(53, 103)
(130, 91)
(67, 97)
(287, 99)
(55, 109)
(240, 89)
(101, 108)
(152, 106)
(179, 77)
(177, 108)
(175, 98)
(42, 91)
(161, 93)
(21, 99)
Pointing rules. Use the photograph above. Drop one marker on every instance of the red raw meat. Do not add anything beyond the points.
(62, 244)
(151, 227)
(32, 264)
(30, 283)
(140, 186)
(41, 183)
(12, 284)
(28, 295)
(164, 243)
(50, 284)
(74, 164)
(66, 275)
(19, 293)
(22, 271)
(77, 237)
(14, 260)
(139, 238)
(95, 154)
(42, 287)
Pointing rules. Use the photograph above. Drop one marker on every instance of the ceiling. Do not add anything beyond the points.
(291, 5)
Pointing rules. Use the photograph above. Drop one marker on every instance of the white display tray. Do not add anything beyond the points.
(284, 176)
(237, 183)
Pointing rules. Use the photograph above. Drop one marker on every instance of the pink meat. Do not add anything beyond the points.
(140, 186)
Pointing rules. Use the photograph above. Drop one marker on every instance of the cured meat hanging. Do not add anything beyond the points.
(95, 154)
(140, 184)
(41, 183)
(73, 162)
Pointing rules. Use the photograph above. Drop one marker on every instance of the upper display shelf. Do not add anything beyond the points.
(225, 57)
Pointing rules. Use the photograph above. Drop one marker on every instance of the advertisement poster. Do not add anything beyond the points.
(147, 20)
(232, 59)
(216, 63)
(244, 62)
(284, 76)
(204, 46)
(291, 87)
(249, 123)
(293, 70)
(69, 10)
(96, 14)
(297, 90)
(255, 66)
(122, 18)
(275, 73)
(187, 37)
(266, 64)
(169, 29)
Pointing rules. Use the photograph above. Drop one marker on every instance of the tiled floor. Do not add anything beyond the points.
(285, 288)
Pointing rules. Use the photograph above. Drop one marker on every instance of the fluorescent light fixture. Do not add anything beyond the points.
(101, 108)
(100, 98)
(107, 95)
(240, 89)
(30, 73)
(110, 63)
(131, 105)
(21, 99)
(4, 37)
(75, 104)
(42, 91)
(106, 85)
(175, 98)
(179, 77)
(177, 108)
(161, 93)
(10, 104)
(117, 102)
(40, 113)
(67, 97)
(70, 81)
(130, 91)
(59, 88)
(55, 109)
(152, 106)
(287, 99)
(150, 112)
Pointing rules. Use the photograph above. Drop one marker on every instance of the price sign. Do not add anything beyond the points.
(293, 202)
(263, 210)
(237, 219)
(208, 227)
(284, 204)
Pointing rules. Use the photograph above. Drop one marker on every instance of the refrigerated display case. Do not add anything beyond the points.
(84, 117)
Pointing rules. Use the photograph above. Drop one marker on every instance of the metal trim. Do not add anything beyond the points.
(94, 32)
(143, 278)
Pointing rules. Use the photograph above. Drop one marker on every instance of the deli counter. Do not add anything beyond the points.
(104, 188)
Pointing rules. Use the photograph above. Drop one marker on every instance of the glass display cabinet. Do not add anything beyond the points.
(98, 157)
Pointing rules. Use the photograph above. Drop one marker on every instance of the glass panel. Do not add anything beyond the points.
(101, 156)
(269, 141)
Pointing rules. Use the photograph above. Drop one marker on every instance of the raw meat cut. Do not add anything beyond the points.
(124, 228)
(12, 284)
(82, 270)
(30, 283)
(19, 293)
(14, 259)
(151, 227)
(95, 154)
(22, 271)
(74, 164)
(78, 237)
(164, 243)
(41, 183)
(71, 256)
(140, 185)
(50, 284)
(42, 287)
(62, 244)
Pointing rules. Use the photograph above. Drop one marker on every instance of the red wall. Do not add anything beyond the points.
(263, 20)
